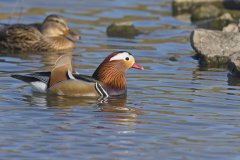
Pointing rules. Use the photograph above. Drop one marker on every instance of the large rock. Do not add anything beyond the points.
(186, 6)
(209, 14)
(206, 11)
(180, 6)
(213, 48)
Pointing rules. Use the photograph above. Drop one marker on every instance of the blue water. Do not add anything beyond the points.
(173, 110)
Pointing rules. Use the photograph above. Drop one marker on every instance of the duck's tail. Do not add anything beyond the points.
(38, 80)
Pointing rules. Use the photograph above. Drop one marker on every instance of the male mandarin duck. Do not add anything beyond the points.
(108, 79)
(51, 35)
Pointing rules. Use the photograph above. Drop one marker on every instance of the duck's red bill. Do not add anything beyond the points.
(137, 66)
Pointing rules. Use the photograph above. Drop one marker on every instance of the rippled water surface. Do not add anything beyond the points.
(173, 109)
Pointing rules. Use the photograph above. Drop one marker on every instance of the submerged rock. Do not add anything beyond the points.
(213, 48)
(173, 58)
(122, 29)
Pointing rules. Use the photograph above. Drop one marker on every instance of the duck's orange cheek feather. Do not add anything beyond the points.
(129, 64)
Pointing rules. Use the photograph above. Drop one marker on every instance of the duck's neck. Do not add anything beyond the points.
(112, 77)
(60, 43)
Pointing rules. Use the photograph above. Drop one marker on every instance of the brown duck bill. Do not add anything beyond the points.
(71, 34)
(137, 66)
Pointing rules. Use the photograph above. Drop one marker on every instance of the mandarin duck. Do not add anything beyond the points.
(108, 79)
(51, 35)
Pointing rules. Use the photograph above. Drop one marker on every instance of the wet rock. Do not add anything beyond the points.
(187, 6)
(173, 58)
(217, 23)
(206, 11)
(214, 14)
(231, 28)
(122, 29)
(213, 48)
(234, 64)
(226, 16)
(213, 24)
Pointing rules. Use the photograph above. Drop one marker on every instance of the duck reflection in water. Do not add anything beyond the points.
(115, 111)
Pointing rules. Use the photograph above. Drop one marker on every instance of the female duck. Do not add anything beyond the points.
(52, 35)
(108, 80)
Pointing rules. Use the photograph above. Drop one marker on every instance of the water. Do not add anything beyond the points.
(173, 110)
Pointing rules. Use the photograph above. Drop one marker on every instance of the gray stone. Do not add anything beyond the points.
(213, 48)
(231, 28)
(206, 11)
(226, 16)
(187, 6)
(218, 23)
(122, 29)
(210, 14)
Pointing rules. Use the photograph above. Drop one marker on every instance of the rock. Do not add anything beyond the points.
(217, 23)
(184, 17)
(206, 11)
(214, 14)
(197, 1)
(234, 64)
(231, 28)
(213, 24)
(213, 48)
(122, 29)
(187, 6)
(226, 16)
(173, 58)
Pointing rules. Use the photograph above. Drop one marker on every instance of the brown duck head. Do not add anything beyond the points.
(55, 26)
(111, 72)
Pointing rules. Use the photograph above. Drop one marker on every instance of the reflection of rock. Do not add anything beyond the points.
(214, 47)
(234, 64)
(233, 80)
(123, 29)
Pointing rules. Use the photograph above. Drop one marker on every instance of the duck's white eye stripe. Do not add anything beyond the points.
(120, 56)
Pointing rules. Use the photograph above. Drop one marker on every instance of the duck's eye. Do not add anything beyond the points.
(127, 58)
